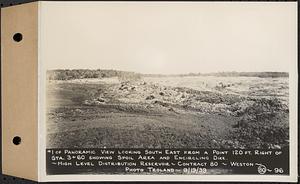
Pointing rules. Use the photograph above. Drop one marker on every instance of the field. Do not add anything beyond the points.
(168, 112)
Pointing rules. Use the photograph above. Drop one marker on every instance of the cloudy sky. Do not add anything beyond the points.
(169, 38)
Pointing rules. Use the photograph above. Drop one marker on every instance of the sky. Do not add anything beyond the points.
(169, 38)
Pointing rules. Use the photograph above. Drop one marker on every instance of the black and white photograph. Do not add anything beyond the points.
(149, 91)
(154, 78)
(119, 109)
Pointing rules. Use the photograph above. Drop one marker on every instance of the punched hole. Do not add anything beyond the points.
(17, 140)
(18, 37)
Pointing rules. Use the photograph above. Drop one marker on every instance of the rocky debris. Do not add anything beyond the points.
(123, 87)
(95, 101)
(172, 110)
(227, 104)
(99, 99)
(232, 144)
(161, 103)
(78, 111)
(222, 85)
(240, 107)
(263, 121)
(151, 97)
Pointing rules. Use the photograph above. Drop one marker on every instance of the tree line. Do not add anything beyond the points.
(68, 74)
(226, 74)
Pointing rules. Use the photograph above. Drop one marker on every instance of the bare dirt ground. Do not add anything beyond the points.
(141, 114)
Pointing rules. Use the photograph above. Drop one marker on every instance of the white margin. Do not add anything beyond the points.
(293, 122)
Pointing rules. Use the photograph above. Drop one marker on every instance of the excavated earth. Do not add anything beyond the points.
(141, 114)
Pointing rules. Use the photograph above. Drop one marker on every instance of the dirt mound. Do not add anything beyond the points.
(183, 98)
(264, 124)
(224, 120)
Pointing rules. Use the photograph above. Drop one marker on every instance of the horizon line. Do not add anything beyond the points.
(186, 73)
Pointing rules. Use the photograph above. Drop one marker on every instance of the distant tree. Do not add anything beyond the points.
(61, 76)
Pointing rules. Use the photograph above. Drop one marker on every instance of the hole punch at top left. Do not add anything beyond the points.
(18, 37)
